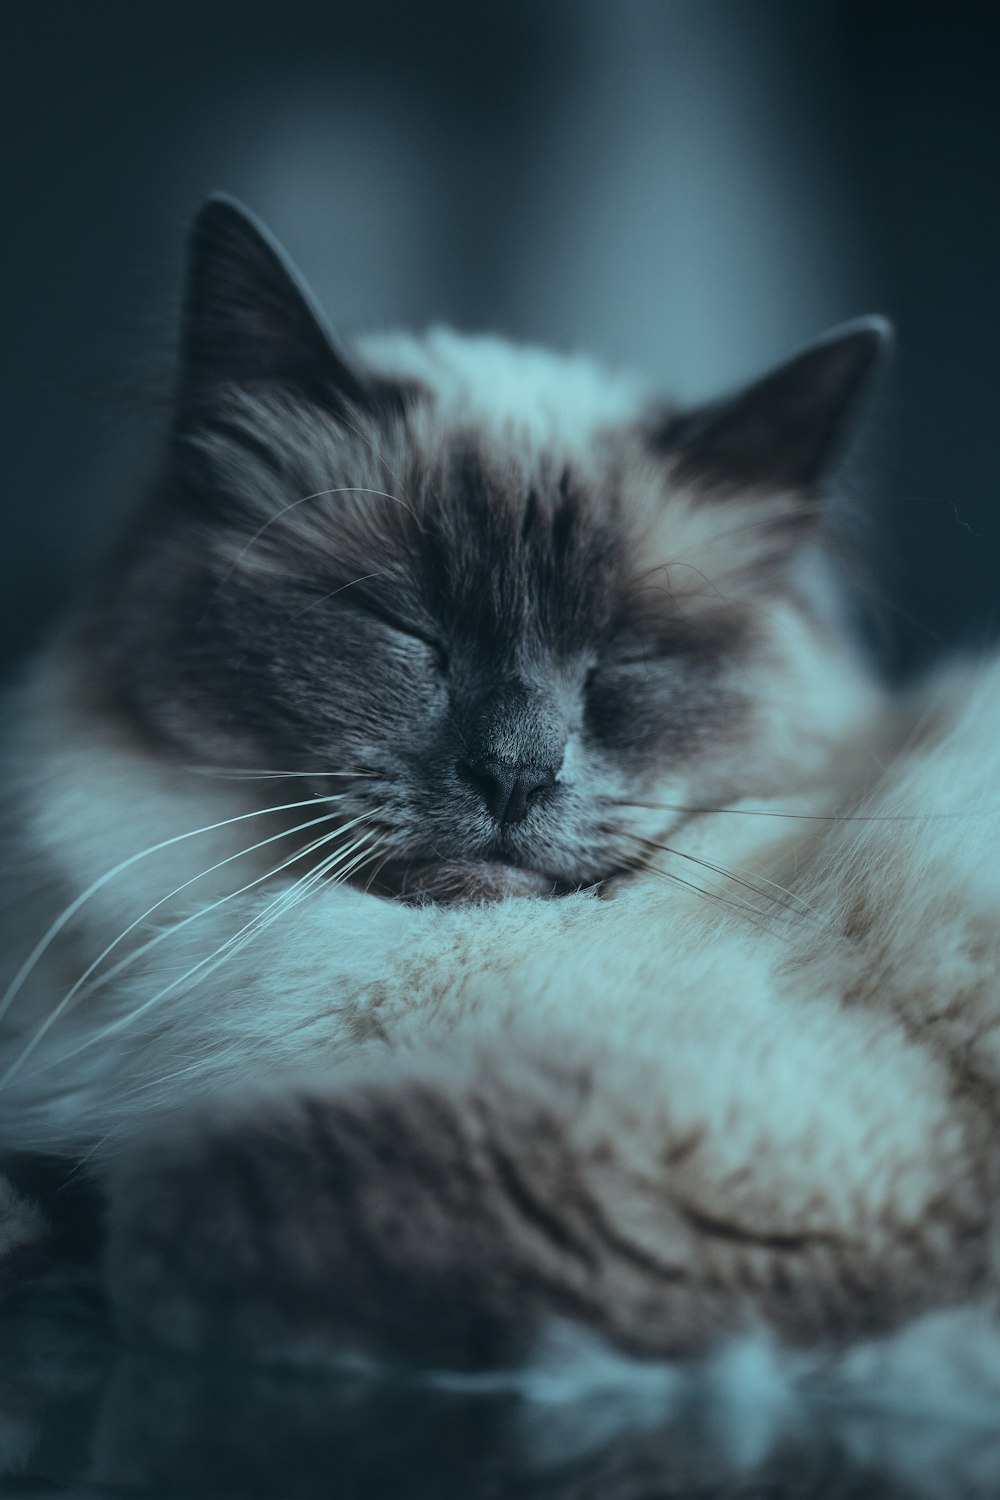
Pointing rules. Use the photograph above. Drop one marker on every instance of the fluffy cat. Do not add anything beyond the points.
(463, 877)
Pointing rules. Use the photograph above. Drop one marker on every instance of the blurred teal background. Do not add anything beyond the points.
(690, 187)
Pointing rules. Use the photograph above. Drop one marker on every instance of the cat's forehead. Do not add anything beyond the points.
(511, 474)
(516, 393)
(515, 460)
(497, 455)
(507, 434)
(517, 537)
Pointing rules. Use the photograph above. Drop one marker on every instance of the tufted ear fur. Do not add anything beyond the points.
(784, 430)
(249, 316)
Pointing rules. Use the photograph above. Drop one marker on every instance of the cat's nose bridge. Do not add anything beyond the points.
(518, 726)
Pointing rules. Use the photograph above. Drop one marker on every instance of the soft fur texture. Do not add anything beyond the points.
(698, 1043)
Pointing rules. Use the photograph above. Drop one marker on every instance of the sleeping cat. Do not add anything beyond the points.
(463, 877)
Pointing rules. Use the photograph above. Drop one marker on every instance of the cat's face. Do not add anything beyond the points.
(529, 611)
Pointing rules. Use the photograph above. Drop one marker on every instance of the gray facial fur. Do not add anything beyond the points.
(342, 571)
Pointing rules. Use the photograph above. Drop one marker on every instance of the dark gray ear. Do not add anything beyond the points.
(249, 316)
(785, 429)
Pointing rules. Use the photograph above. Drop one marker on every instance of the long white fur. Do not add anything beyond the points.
(702, 1015)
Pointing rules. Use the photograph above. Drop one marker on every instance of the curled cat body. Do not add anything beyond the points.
(463, 877)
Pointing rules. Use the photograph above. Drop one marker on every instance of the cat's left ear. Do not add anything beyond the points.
(249, 316)
(784, 430)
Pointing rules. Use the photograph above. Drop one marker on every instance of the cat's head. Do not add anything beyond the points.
(531, 609)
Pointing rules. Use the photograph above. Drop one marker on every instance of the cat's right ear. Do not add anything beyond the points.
(250, 317)
(784, 430)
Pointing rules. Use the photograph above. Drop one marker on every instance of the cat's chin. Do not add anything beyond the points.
(450, 882)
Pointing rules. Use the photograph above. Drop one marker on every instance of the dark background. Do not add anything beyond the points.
(691, 187)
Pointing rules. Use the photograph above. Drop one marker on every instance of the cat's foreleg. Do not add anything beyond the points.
(743, 1161)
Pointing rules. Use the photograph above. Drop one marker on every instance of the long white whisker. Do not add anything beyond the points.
(377, 870)
(344, 489)
(331, 594)
(191, 1067)
(731, 904)
(376, 454)
(291, 897)
(221, 953)
(359, 859)
(302, 886)
(204, 911)
(756, 882)
(133, 957)
(239, 774)
(207, 965)
(750, 880)
(14, 988)
(767, 812)
(315, 603)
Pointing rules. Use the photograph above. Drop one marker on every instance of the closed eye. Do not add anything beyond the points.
(635, 650)
(405, 628)
(637, 659)
(621, 663)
